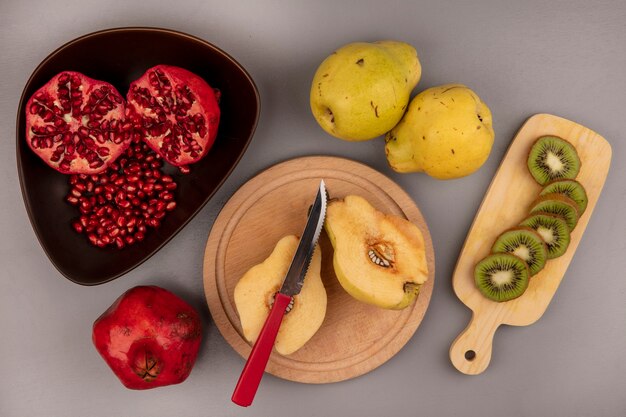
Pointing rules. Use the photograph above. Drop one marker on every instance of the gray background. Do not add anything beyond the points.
(566, 58)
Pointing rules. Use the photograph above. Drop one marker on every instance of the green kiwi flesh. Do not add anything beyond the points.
(553, 158)
(553, 230)
(501, 277)
(569, 188)
(526, 244)
(557, 205)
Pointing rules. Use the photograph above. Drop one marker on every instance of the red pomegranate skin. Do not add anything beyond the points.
(149, 337)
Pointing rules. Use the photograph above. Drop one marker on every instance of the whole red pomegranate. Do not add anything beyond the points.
(176, 112)
(149, 337)
(77, 124)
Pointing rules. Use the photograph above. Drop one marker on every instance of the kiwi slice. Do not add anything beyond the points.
(501, 276)
(553, 230)
(524, 243)
(557, 205)
(553, 158)
(569, 188)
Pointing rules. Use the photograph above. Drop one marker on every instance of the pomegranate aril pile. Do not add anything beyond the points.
(119, 205)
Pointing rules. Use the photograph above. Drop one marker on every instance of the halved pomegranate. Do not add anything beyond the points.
(77, 124)
(176, 112)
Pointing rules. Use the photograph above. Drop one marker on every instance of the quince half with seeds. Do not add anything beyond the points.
(379, 259)
(255, 291)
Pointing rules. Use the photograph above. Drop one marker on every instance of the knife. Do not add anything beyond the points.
(292, 284)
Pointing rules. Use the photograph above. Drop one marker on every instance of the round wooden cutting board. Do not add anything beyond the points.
(355, 337)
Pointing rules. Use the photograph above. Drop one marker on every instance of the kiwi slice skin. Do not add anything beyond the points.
(569, 188)
(553, 230)
(501, 277)
(557, 205)
(553, 158)
(526, 244)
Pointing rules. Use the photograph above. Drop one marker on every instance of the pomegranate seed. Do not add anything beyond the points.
(78, 226)
(85, 206)
(119, 242)
(170, 206)
(153, 222)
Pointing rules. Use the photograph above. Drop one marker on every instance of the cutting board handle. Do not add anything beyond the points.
(470, 352)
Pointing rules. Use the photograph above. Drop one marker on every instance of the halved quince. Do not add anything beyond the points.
(254, 296)
(379, 259)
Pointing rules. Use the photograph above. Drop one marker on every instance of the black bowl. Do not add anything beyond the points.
(120, 56)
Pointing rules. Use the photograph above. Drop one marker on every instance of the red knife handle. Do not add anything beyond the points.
(255, 366)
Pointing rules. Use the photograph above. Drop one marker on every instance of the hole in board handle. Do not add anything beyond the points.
(470, 355)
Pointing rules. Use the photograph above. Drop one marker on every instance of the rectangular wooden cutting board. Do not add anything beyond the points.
(505, 205)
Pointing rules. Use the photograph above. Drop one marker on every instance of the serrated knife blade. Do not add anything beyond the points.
(294, 279)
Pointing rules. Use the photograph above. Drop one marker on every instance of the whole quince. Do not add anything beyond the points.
(362, 89)
(446, 132)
